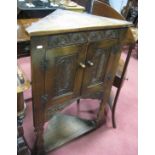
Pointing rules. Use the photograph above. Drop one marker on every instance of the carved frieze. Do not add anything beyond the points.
(82, 37)
(101, 35)
(112, 34)
(66, 39)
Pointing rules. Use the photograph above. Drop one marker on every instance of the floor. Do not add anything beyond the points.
(105, 140)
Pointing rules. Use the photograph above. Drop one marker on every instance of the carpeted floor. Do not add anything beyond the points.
(105, 140)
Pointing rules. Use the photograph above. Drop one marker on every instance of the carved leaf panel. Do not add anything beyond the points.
(65, 75)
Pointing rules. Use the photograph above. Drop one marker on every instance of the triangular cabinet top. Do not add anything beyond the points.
(62, 21)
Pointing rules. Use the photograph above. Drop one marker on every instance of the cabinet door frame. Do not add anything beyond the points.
(87, 88)
(62, 52)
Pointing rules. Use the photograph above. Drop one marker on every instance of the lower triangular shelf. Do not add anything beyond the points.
(64, 128)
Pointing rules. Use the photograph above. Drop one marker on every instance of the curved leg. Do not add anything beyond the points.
(131, 46)
(38, 148)
(114, 107)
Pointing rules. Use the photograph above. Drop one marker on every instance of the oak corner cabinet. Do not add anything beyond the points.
(73, 56)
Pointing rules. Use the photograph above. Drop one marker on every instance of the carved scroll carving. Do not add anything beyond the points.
(66, 39)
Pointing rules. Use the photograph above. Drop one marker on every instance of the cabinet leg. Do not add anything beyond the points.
(38, 148)
(101, 118)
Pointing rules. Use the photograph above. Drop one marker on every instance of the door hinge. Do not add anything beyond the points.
(44, 64)
(44, 99)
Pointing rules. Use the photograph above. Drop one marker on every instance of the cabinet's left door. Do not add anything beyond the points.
(63, 76)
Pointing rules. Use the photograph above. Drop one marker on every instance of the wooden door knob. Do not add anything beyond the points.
(82, 65)
(90, 63)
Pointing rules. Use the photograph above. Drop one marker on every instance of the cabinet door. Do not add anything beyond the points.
(97, 62)
(63, 75)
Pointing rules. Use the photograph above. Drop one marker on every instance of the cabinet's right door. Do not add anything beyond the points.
(100, 56)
